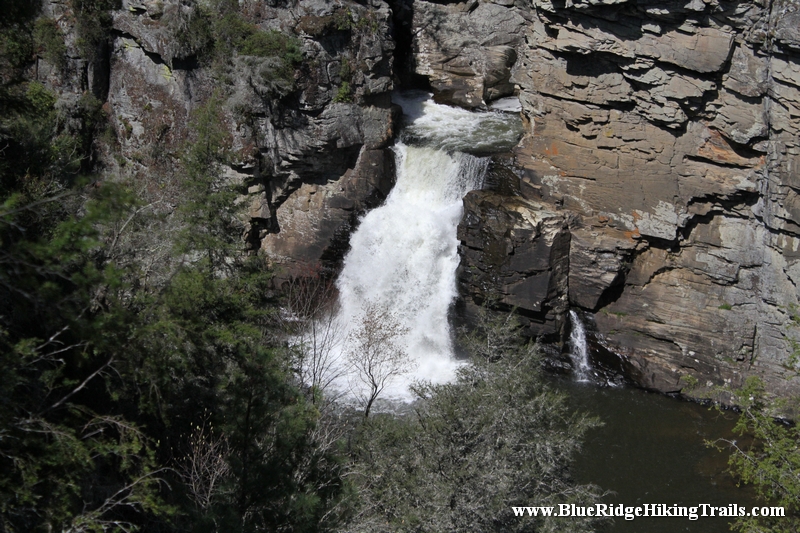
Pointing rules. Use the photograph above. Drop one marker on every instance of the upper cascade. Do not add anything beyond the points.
(456, 129)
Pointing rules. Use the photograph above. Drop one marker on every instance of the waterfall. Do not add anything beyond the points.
(404, 254)
(579, 351)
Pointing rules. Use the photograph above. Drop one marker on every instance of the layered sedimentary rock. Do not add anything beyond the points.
(665, 135)
(515, 253)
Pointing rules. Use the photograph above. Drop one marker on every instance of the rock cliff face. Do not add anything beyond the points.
(663, 145)
(307, 160)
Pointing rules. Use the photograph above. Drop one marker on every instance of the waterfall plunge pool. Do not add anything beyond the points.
(652, 449)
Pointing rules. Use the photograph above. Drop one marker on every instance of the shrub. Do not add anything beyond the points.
(344, 94)
(16, 46)
(49, 42)
(94, 24)
(217, 33)
(271, 44)
(767, 457)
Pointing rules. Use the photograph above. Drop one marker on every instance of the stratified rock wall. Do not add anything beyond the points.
(666, 135)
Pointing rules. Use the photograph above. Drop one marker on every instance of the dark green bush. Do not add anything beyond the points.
(94, 24)
(344, 94)
(195, 35)
(49, 42)
(215, 34)
(230, 32)
(18, 11)
(16, 47)
(271, 44)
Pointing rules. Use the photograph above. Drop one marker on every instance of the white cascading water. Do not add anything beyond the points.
(579, 352)
(404, 254)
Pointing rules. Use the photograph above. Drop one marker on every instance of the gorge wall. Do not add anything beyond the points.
(655, 190)
(308, 158)
(656, 186)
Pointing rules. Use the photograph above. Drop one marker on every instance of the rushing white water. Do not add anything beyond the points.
(579, 350)
(510, 104)
(404, 254)
(452, 128)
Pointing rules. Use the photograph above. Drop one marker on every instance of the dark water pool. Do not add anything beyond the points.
(652, 450)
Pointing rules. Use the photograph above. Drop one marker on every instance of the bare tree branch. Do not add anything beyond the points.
(79, 387)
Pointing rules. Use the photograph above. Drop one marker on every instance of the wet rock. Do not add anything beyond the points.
(515, 253)
(313, 225)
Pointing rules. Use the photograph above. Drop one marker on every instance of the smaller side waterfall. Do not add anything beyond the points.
(579, 351)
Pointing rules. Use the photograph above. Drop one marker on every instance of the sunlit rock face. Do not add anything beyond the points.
(466, 50)
(665, 135)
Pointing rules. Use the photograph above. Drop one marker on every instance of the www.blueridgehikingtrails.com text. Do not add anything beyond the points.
(655, 510)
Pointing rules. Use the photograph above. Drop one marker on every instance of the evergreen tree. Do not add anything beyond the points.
(768, 457)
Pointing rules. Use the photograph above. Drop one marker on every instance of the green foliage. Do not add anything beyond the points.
(271, 44)
(472, 448)
(217, 32)
(344, 94)
(29, 130)
(18, 11)
(49, 42)
(205, 352)
(343, 19)
(206, 355)
(231, 31)
(16, 41)
(346, 70)
(68, 460)
(347, 20)
(107, 375)
(16, 47)
(368, 23)
(94, 24)
(212, 227)
(725, 307)
(195, 34)
(690, 381)
(767, 457)
(45, 149)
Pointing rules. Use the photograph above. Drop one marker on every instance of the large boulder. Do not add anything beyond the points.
(466, 51)
(515, 254)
